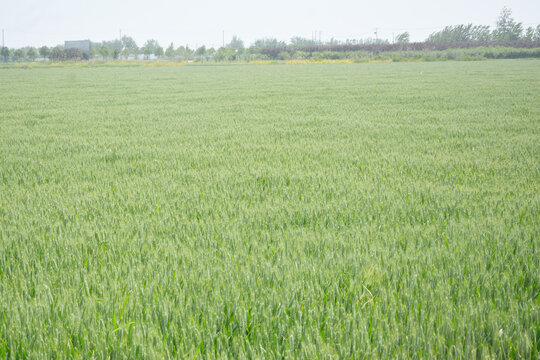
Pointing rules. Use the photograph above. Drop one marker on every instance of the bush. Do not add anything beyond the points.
(301, 55)
(284, 55)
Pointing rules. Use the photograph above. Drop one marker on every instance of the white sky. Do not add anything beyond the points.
(50, 22)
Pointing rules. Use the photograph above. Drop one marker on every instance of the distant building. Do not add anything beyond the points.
(83, 45)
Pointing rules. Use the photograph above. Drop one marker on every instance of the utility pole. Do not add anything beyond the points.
(120, 34)
(223, 36)
(2, 37)
(376, 38)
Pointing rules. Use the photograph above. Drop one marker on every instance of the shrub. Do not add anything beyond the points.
(284, 55)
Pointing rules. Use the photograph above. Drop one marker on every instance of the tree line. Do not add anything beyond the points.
(507, 30)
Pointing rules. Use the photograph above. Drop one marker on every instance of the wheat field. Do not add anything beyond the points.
(385, 210)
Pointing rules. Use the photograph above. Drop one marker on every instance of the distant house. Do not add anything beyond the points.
(83, 45)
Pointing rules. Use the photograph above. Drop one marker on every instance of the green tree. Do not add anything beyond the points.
(266, 43)
(201, 52)
(116, 54)
(459, 33)
(57, 53)
(236, 43)
(5, 53)
(170, 53)
(403, 38)
(93, 52)
(135, 52)
(147, 51)
(226, 54)
(507, 28)
(125, 53)
(181, 52)
(113, 44)
(104, 51)
(210, 52)
(129, 44)
(73, 54)
(185, 53)
(159, 51)
(32, 54)
(189, 53)
(19, 55)
(532, 34)
(150, 47)
(44, 51)
(300, 41)
(529, 34)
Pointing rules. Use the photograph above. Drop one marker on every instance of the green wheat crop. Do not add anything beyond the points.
(279, 211)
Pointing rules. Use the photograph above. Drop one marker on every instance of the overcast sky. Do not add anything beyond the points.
(50, 22)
